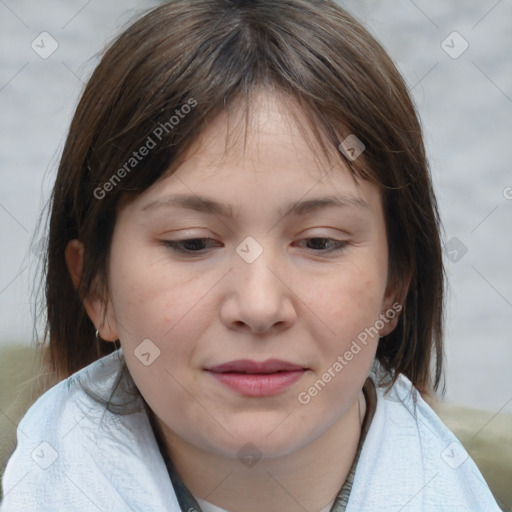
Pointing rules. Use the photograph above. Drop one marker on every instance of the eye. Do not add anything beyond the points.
(319, 243)
(189, 245)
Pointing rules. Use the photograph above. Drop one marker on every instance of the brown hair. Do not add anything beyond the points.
(214, 52)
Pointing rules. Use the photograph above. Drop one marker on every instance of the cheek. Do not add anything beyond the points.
(348, 301)
(348, 307)
(162, 318)
(150, 296)
(159, 317)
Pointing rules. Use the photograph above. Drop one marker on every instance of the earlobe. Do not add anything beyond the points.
(393, 302)
(99, 311)
(390, 316)
(390, 313)
(102, 316)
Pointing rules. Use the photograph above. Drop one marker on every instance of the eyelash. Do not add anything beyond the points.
(177, 245)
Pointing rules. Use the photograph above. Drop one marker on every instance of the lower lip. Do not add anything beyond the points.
(259, 384)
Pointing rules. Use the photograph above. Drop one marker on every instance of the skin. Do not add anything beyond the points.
(294, 302)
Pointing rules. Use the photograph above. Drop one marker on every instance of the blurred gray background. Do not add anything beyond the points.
(461, 83)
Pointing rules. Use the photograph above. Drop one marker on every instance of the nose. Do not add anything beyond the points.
(259, 298)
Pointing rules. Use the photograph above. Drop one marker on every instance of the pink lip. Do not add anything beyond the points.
(253, 378)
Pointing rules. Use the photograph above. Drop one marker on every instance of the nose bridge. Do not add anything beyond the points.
(261, 299)
(253, 265)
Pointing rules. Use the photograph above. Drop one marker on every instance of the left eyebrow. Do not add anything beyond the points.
(307, 206)
(298, 208)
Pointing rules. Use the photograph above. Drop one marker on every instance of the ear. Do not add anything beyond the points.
(392, 305)
(100, 311)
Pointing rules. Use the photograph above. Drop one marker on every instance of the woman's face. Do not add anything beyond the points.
(241, 287)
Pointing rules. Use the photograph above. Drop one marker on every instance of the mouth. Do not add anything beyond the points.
(252, 378)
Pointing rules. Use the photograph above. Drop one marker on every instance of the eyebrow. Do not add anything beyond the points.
(298, 208)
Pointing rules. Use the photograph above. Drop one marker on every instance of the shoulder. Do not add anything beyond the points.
(59, 408)
(74, 453)
(411, 461)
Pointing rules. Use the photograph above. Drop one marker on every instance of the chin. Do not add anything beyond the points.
(266, 437)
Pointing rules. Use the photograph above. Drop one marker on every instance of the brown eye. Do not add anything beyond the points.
(318, 244)
(189, 245)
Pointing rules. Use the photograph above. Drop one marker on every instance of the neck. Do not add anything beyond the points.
(306, 479)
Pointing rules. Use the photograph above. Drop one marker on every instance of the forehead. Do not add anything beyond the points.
(264, 151)
(270, 130)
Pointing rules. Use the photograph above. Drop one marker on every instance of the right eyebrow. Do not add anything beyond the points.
(190, 202)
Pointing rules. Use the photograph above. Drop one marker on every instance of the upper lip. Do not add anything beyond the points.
(248, 366)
